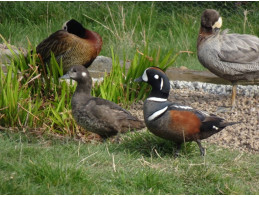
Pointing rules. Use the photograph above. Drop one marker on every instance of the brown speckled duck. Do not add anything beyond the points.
(233, 57)
(95, 114)
(74, 44)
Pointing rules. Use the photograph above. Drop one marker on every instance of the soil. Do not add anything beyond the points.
(243, 136)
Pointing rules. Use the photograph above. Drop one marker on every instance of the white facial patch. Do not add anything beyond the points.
(218, 24)
(144, 76)
(157, 113)
(64, 26)
(162, 84)
(156, 99)
(83, 74)
(156, 77)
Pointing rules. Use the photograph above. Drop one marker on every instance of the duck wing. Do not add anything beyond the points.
(115, 116)
(209, 122)
(239, 48)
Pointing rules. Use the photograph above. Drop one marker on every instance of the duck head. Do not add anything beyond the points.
(81, 75)
(74, 27)
(210, 19)
(158, 80)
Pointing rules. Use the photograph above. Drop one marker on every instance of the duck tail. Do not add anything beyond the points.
(225, 124)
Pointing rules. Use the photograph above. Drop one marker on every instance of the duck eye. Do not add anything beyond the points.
(156, 76)
(65, 28)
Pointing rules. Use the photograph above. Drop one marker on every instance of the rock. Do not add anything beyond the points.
(6, 54)
(104, 64)
(183, 68)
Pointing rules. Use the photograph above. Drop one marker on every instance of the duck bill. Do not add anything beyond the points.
(138, 79)
(66, 76)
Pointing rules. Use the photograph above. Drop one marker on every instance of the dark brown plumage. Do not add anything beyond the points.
(95, 114)
(75, 45)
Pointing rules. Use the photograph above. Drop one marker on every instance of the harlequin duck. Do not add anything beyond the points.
(98, 115)
(233, 57)
(173, 121)
(73, 44)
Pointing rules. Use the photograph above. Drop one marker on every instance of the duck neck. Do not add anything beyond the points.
(83, 90)
(95, 38)
(204, 33)
(158, 94)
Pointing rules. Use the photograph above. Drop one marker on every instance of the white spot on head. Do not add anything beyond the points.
(144, 76)
(218, 24)
(157, 113)
(64, 26)
(156, 77)
(162, 84)
(83, 74)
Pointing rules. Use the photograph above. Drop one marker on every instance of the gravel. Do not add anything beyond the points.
(210, 97)
(248, 90)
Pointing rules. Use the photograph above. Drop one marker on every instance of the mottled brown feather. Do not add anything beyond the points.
(72, 49)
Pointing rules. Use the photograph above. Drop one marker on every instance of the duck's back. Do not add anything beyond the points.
(231, 56)
(104, 117)
(72, 49)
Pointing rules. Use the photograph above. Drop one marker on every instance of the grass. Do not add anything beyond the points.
(126, 25)
(140, 164)
(32, 96)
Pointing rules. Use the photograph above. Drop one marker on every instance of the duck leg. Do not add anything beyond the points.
(178, 149)
(202, 150)
(233, 100)
(233, 97)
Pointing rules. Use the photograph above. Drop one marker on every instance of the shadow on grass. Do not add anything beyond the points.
(141, 143)
(149, 145)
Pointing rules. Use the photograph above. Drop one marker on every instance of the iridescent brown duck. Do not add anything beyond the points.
(74, 44)
(234, 57)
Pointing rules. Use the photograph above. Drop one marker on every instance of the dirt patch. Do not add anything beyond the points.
(242, 136)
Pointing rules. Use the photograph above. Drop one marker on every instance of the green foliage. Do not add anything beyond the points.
(31, 95)
(119, 86)
(127, 25)
(141, 164)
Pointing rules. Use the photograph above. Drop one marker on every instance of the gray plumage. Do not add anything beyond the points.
(234, 57)
(231, 56)
(98, 115)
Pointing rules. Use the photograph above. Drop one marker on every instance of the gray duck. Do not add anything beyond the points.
(234, 57)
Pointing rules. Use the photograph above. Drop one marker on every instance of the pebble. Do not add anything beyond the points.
(244, 90)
